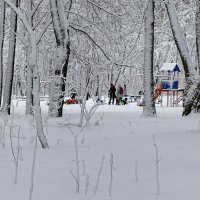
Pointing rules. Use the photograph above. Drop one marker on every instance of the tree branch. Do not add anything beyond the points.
(20, 15)
(39, 21)
(82, 31)
(36, 7)
(95, 4)
(44, 30)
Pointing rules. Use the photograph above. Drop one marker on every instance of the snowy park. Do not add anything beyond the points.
(121, 155)
(99, 100)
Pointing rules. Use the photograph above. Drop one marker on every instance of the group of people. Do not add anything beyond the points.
(116, 93)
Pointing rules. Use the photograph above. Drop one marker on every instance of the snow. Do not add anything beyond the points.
(120, 131)
(170, 67)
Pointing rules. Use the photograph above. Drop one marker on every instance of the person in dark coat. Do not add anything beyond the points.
(73, 95)
(112, 95)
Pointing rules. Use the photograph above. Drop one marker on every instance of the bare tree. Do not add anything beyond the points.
(61, 31)
(2, 18)
(36, 77)
(34, 21)
(7, 89)
(149, 104)
(192, 89)
(29, 81)
(197, 26)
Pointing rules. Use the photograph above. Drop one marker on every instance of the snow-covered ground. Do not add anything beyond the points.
(118, 139)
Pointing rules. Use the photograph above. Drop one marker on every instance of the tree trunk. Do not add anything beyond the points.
(191, 93)
(29, 91)
(61, 31)
(29, 81)
(148, 81)
(7, 90)
(36, 91)
(2, 18)
(197, 29)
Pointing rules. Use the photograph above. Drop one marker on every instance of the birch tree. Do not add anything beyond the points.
(60, 24)
(149, 104)
(7, 89)
(2, 18)
(36, 77)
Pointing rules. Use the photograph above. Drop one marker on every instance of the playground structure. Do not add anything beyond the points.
(169, 84)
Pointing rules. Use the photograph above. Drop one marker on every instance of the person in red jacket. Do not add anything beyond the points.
(119, 94)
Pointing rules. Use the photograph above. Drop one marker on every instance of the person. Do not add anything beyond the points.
(119, 94)
(141, 92)
(112, 95)
(73, 95)
(124, 89)
(88, 96)
(158, 89)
